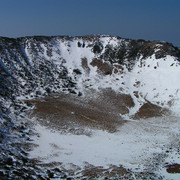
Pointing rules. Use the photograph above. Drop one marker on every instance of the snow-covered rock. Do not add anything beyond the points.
(36, 66)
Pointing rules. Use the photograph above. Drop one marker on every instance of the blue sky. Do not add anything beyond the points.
(135, 19)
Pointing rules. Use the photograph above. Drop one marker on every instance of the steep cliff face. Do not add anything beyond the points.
(33, 67)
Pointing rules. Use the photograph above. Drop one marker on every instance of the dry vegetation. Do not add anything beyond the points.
(73, 114)
(102, 110)
(149, 110)
(104, 68)
(97, 111)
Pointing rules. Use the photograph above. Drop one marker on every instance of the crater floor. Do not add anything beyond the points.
(90, 136)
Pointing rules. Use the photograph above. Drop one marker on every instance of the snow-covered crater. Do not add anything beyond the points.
(128, 80)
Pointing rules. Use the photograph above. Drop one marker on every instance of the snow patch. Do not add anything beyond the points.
(133, 146)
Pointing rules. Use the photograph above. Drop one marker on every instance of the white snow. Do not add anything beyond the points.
(155, 80)
(158, 77)
(159, 81)
(133, 146)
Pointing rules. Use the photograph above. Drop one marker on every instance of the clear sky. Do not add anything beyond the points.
(135, 19)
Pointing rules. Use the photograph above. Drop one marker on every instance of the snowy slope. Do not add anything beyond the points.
(142, 146)
(38, 66)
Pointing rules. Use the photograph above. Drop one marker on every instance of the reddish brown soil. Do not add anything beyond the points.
(173, 168)
(149, 110)
(96, 110)
(102, 67)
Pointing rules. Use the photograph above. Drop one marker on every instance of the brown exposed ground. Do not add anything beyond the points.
(104, 68)
(84, 64)
(173, 168)
(95, 110)
(149, 110)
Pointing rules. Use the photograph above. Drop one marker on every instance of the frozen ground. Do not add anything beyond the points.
(129, 79)
(99, 131)
(143, 145)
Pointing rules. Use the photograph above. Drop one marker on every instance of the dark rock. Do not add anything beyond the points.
(80, 94)
(50, 174)
(9, 161)
(24, 160)
(173, 168)
(77, 71)
(98, 47)
(72, 91)
(56, 169)
(79, 44)
(48, 90)
(1, 173)
(17, 173)
(64, 176)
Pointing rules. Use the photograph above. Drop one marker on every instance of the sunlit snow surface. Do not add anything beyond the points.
(155, 80)
(136, 145)
(158, 78)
